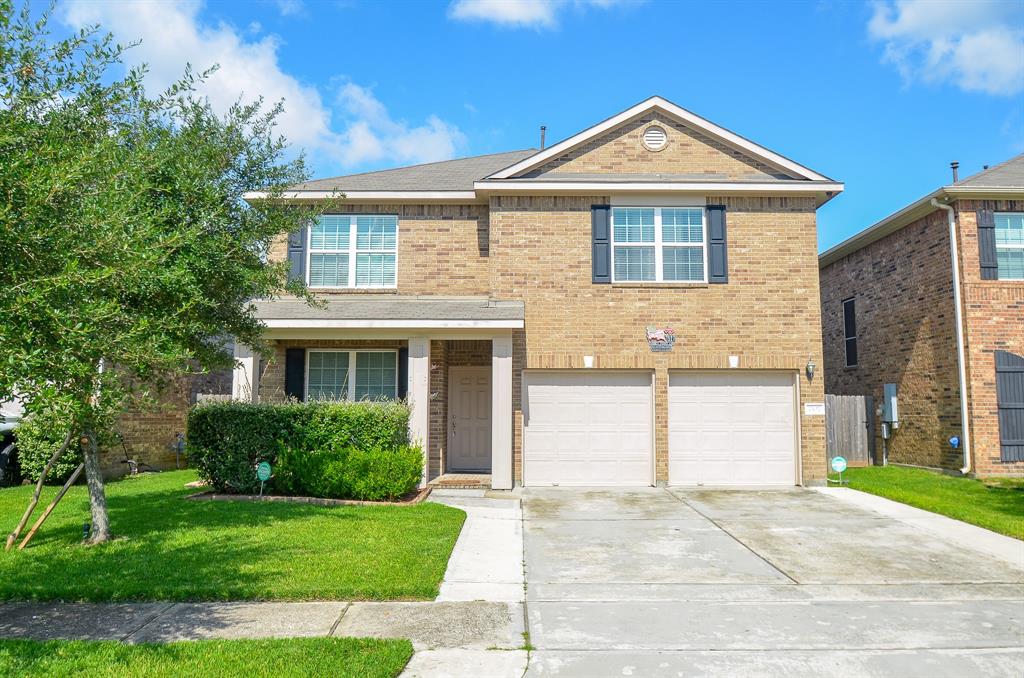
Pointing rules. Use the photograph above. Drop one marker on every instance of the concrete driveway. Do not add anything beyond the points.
(654, 582)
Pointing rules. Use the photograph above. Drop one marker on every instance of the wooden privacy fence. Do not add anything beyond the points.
(850, 428)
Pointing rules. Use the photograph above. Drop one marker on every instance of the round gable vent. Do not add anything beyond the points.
(655, 138)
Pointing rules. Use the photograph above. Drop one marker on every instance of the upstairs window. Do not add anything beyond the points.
(1010, 245)
(353, 251)
(850, 332)
(658, 244)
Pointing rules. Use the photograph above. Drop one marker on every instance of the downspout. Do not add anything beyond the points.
(958, 314)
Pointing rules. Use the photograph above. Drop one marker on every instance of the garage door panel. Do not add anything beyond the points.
(601, 426)
(731, 428)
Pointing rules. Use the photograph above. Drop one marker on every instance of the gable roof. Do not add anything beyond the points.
(1005, 180)
(446, 175)
(1009, 174)
(657, 103)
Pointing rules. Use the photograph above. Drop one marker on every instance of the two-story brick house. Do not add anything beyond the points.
(637, 304)
(891, 299)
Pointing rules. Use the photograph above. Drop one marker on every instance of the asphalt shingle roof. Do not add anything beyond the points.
(448, 175)
(1009, 174)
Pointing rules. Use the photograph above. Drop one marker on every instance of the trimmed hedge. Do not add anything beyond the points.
(37, 437)
(340, 450)
(374, 473)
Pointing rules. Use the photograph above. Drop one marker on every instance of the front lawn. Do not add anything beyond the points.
(328, 657)
(997, 506)
(170, 548)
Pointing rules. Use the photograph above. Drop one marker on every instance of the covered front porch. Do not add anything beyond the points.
(450, 358)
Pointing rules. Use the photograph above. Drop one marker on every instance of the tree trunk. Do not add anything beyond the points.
(97, 497)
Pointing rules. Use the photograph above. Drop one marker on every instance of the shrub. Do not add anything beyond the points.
(38, 436)
(370, 473)
(302, 441)
(377, 474)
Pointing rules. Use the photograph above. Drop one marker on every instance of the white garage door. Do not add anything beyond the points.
(731, 428)
(587, 428)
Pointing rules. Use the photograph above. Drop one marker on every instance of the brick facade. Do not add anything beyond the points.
(767, 314)
(994, 320)
(906, 330)
(538, 250)
(688, 151)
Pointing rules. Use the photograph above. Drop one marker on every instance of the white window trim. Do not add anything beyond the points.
(351, 252)
(350, 389)
(659, 245)
(846, 356)
(1008, 247)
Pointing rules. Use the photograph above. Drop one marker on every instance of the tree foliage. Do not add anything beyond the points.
(128, 250)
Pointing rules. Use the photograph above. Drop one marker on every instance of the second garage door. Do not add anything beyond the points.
(731, 428)
(587, 428)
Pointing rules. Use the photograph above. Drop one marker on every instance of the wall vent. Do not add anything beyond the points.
(655, 138)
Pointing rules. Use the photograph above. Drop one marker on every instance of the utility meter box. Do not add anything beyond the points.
(890, 407)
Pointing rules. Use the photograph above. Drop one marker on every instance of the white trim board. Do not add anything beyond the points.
(336, 323)
(673, 110)
(704, 188)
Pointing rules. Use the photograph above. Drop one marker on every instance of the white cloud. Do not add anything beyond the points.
(173, 34)
(291, 7)
(522, 13)
(372, 135)
(978, 45)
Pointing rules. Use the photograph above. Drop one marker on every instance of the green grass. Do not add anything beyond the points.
(171, 548)
(333, 657)
(997, 505)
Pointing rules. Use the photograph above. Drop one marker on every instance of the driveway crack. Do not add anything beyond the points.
(734, 537)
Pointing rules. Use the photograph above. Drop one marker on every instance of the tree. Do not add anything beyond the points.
(128, 250)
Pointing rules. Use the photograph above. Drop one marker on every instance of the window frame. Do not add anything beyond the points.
(350, 388)
(853, 338)
(352, 253)
(999, 272)
(659, 245)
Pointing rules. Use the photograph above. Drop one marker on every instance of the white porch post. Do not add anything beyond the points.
(419, 399)
(245, 379)
(501, 412)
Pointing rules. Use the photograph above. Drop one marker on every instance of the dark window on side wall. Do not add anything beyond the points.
(850, 332)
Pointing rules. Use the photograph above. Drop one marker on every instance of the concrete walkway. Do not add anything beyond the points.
(794, 583)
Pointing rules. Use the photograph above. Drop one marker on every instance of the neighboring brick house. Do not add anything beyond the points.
(889, 316)
(635, 305)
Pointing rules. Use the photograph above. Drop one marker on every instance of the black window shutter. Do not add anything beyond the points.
(295, 373)
(403, 372)
(718, 256)
(987, 244)
(601, 243)
(1010, 400)
(297, 255)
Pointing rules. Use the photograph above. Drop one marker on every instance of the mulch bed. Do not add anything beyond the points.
(408, 500)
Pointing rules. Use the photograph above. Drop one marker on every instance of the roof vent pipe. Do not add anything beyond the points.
(956, 176)
(543, 133)
(965, 425)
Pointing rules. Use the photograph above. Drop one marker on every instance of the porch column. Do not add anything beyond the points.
(418, 394)
(501, 412)
(245, 378)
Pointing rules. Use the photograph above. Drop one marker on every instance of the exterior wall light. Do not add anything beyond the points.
(810, 369)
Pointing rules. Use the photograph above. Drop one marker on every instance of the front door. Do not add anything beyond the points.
(469, 420)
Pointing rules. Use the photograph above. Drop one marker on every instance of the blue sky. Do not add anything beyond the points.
(879, 95)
